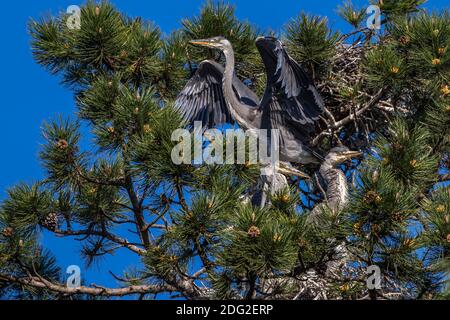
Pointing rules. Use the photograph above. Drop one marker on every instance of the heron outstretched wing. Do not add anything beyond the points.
(202, 98)
(290, 96)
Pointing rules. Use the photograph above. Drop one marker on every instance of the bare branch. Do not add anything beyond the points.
(39, 282)
(353, 115)
(123, 242)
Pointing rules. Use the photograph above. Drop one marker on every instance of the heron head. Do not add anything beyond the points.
(214, 43)
(268, 42)
(268, 47)
(339, 155)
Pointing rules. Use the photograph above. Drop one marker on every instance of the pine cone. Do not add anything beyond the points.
(404, 40)
(436, 61)
(8, 232)
(62, 144)
(372, 197)
(50, 222)
(254, 232)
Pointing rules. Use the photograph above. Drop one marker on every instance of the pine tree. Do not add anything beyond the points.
(386, 93)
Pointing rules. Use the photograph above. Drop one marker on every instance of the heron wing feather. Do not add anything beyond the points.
(202, 98)
(289, 91)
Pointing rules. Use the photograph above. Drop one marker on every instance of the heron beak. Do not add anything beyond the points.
(348, 155)
(202, 42)
(290, 171)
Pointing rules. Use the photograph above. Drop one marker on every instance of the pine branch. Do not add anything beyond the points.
(138, 212)
(352, 116)
(41, 283)
(123, 242)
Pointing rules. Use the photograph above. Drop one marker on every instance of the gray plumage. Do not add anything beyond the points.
(291, 102)
(337, 197)
(337, 192)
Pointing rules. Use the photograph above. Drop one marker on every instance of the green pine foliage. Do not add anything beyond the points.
(192, 226)
(353, 15)
(311, 42)
(401, 7)
(219, 19)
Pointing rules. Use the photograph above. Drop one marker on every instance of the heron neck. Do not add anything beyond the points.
(337, 187)
(243, 115)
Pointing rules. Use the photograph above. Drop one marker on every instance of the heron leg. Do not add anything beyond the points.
(259, 197)
(270, 183)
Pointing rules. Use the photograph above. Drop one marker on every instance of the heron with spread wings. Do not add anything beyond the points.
(291, 102)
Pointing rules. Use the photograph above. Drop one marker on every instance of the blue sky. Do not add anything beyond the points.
(29, 95)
